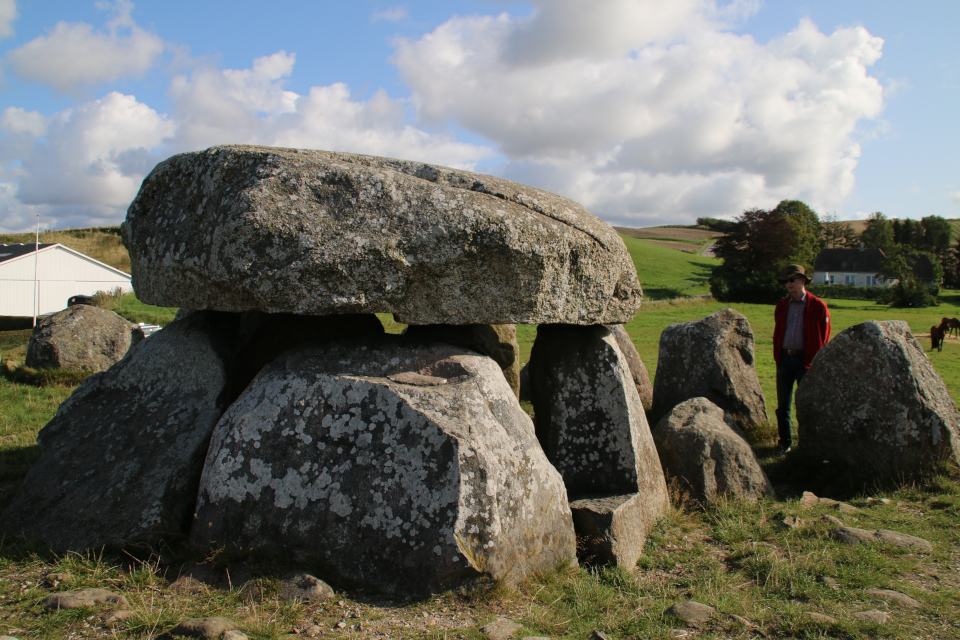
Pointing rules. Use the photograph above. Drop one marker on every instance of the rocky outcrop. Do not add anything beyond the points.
(703, 449)
(80, 338)
(121, 460)
(499, 341)
(872, 399)
(593, 428)
(637, 369)
(240, 228)
(396, 462)
(712, 358)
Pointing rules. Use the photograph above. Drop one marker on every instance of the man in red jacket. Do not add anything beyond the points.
(802, 327)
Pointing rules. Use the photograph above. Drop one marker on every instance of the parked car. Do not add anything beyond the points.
(75, 300)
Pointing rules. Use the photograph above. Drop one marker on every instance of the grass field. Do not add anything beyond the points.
(763, 578)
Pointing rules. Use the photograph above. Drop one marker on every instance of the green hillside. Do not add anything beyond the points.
(668, 273)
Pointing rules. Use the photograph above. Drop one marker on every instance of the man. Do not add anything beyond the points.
(802, 327)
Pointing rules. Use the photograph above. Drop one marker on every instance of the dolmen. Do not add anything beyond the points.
(278, 419)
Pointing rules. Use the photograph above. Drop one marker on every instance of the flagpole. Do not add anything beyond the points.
(36, 283)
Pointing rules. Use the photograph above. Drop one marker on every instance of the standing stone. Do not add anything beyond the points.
(593, 429)
(703, 449)
(872, 400)
(637, 369)
(499, 341)
(81, 337)
(712, 358)
(240, 228)
(396, 462)
(122, 457)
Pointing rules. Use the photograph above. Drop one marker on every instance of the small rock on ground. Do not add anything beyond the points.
(233, 634)
(843, 507)
(809, 499)
(691, 612)
(213, 627)
(598, 635)
(895, 596)
(84, 598)
(853, 535)
(820, 617)
(119, 616)
(871, 616)
(792, 522)
(500, 629)
(303, 586)
(834, 520)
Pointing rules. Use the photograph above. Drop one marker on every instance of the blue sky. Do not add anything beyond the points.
(645, 111)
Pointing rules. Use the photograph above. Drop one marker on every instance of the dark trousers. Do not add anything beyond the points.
(790, 370)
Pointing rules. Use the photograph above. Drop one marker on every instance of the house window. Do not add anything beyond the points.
(871, 281)
(850, 278)
(843, 265)
(833, 278)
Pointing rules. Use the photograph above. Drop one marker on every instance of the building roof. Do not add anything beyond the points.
(851, 260)
(11, 251)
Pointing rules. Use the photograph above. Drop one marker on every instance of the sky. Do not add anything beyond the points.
(647, 112)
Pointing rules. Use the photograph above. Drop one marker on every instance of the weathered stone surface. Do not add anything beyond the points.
(809, 499)
(613, 530)
(691, 612)
(637, 369)
(499, 341)
(240, 228)
(328, 456)
(703, 449)
(305, 587)
(873, 615)
(853, 535)
(122, 457)
(81, 338)
(83, 598)
(500, 629)
(589, 418)
(872, 400)
(213, 627)
(713, 358)
(895, 596)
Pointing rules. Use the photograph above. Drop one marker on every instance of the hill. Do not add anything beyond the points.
(100, 243)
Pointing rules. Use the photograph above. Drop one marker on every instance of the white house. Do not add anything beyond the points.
(859, 267)
(60, 271)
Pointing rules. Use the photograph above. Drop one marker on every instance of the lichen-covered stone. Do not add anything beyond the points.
(712, 358)
(499, 341)
(241, 228)
(637, 369)
(397, 462)
(81, 337)
(704, 451)
(873, 400)
(122, 457)
(589, 418)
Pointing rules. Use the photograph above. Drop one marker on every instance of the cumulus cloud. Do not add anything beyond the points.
(651, 112)
(71, 55)
(8, 15)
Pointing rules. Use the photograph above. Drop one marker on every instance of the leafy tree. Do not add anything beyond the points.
(752, 254)
(716, 224)
(909, 291)
(936, 236)
(807, 230)
(837, 233)
(878, 234)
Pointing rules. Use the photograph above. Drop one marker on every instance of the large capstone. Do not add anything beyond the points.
(121, 460)
(396, 462)
(873, 400)
(81, 337)
(707, 454)
(241, 228)
(711, 358)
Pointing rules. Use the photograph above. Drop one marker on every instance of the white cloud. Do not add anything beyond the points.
(8, 15)
(955, 197)
(650, 112)
(390, 14)
(74, 54)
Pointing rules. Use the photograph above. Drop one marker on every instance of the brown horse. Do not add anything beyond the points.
(936, 337)
(952, 325)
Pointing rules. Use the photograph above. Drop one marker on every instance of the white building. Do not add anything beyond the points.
(60, 273)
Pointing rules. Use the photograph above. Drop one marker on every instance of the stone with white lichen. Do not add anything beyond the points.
(396, 462)
(241, 228)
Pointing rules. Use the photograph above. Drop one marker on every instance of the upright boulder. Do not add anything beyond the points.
(591, 424)
(637, 369)
(240, 228)
(872, 399)
(121, 460)
(704, 450)
(81, 337)
(712, 358)
(397, 462)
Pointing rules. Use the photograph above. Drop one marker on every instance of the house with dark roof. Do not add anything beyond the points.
(859, 267)
(41, 278)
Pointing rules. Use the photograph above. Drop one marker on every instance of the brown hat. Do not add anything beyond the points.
(792, 270)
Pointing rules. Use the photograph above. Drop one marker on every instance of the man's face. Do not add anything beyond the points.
(796, 286)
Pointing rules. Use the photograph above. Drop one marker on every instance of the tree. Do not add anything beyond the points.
(807, 230)
(752, 254)
(878, 234)
(935, 238)
(909, 291)
(837, 233)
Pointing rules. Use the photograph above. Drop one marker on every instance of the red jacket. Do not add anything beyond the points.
(816, 327)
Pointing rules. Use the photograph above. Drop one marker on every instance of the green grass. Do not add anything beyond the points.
(667, 273)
